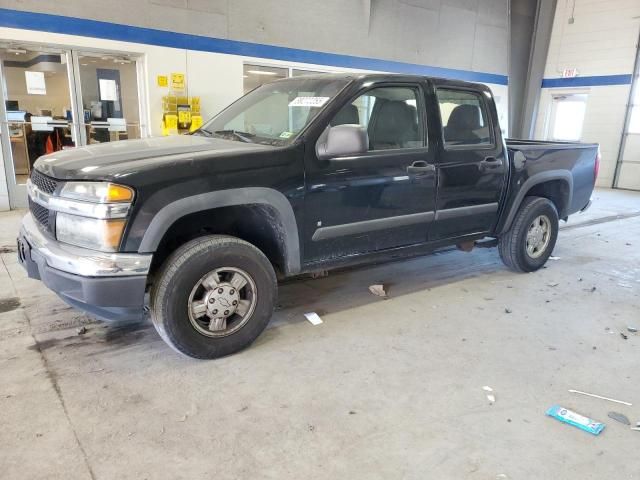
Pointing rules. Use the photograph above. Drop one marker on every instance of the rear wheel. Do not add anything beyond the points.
(213, 296)
(527, 246)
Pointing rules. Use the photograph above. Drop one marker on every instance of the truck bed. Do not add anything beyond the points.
(571, 167)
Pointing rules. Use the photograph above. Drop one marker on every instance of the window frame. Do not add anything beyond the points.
(491, 145)
(420, 105)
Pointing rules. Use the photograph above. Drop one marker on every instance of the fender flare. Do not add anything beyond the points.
(537, 179)
(172, 212)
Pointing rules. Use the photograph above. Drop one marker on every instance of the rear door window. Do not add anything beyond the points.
(464, 118)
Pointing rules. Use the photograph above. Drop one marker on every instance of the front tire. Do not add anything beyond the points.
(213, 296)
(528, 244)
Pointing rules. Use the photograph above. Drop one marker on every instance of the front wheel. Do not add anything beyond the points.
(528, 244)
(213, 297)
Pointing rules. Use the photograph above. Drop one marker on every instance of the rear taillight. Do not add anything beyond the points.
(596, 167)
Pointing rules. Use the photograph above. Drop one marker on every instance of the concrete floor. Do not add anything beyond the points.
(382, 389)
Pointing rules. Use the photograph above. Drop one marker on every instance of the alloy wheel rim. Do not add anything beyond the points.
(538, 236)
(222, 302)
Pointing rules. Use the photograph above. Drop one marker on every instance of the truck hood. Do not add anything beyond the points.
(106, 160)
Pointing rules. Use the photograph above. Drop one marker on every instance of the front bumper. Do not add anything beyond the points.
(108, 285)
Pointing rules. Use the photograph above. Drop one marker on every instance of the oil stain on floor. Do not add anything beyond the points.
(8, 304)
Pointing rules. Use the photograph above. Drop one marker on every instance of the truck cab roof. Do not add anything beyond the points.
(364, 78)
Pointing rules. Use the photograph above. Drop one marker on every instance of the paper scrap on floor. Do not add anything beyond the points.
(313, 317)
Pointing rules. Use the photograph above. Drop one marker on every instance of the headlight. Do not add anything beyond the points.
(92, 233)
(92, 214)
(97, 192)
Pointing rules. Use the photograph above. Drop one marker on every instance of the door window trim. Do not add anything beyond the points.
(471, 146)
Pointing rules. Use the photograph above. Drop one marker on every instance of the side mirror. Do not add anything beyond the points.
(342, 141)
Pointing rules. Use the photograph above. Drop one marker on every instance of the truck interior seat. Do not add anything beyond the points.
(347, 115)
(464, 119)
(395, 126)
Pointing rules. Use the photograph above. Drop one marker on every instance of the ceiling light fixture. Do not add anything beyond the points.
(261, 72)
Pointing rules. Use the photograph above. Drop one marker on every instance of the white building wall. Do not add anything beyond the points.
(601, 41)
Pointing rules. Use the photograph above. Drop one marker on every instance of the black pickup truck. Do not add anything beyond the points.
(298, 176)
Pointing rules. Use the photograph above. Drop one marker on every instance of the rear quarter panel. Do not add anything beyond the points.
(536, 162)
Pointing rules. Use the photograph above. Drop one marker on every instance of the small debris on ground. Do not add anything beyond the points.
(619, 417)
(351, 412)
(553, 284)
(572, 418)
(601, 397)
(507, 310)
(632, 329)
(490, 395)
(313, 317)
(554, 258)
(378, 290)
(81, 330)
(183, 418)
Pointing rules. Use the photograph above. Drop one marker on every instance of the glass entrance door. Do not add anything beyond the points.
(37, 115)
(52, 99)
(108, 97)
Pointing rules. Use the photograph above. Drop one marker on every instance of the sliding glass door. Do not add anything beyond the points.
(37, 115)
(109, 106)
(54, 99)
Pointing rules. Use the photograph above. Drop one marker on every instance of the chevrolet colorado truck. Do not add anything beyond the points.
(300, 175)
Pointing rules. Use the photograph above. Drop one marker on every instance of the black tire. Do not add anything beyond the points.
(513, 244)
(184, 269)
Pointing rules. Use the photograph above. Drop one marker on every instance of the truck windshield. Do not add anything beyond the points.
(274, 113)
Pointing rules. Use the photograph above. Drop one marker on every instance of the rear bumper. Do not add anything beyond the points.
(109, 286)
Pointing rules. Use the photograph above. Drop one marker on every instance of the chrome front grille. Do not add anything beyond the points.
(40, 213)
(44, 183)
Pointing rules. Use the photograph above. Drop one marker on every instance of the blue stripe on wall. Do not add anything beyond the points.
(113, 31)
(594, 81)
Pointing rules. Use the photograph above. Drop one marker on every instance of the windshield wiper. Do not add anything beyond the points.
(203, 131)
(244, 136)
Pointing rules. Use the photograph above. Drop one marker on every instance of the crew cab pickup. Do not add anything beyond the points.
(298, 176)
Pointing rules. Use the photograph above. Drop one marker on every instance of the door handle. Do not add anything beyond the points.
(420, 167)
(491, 162)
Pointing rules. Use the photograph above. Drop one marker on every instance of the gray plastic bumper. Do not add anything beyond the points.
(109, 286)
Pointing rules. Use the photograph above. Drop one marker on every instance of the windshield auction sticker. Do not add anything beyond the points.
(309, 101)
